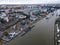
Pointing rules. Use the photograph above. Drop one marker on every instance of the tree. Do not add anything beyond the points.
(5, 33)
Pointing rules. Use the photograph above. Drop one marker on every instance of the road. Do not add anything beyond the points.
(41, 34)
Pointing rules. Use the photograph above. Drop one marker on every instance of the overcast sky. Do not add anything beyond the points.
(29, 1)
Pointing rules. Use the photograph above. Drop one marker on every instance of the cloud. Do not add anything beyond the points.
(29, 1)
(44, 1)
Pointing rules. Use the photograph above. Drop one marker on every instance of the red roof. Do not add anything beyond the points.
(42, 14)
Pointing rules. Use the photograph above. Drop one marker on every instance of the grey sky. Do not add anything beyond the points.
(29, 1)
